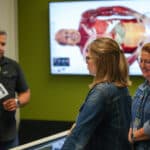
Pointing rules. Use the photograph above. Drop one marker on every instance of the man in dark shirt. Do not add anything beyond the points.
(14, 93)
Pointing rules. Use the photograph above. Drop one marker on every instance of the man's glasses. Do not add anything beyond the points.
(145, 61)
(2, 43)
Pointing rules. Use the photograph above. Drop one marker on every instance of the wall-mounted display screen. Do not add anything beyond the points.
(73, 25)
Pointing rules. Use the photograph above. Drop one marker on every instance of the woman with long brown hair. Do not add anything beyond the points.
(104, 117)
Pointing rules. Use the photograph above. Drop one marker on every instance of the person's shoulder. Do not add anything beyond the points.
(143, 86)
(105, 85)
(105, 88)
(111, 89)
(10, 60)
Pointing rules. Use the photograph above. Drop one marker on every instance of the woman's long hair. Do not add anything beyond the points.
(110, 62)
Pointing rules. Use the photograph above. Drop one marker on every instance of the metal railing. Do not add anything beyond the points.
(43, 143)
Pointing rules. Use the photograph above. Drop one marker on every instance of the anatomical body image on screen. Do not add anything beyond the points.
(76, 24)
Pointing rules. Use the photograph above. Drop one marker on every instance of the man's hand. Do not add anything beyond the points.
(10, 104)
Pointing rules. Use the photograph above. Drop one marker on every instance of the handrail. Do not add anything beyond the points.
(42, 140)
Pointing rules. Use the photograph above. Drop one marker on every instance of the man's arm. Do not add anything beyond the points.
(140, 134)
(24, 97)
(13, 103)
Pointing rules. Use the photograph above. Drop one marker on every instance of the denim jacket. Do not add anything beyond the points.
(141, 110)
(103, 120)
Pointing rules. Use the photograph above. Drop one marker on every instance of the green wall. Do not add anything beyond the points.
(52, 97)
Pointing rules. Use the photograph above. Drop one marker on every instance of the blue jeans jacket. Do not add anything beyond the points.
(103, 120)
(141, 113)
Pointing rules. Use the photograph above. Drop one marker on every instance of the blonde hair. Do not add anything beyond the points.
(110, 62)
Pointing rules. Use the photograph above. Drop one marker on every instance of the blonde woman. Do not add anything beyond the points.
(104, 117)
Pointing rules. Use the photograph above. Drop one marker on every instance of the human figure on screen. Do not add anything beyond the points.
(104, 118)
(126, 26)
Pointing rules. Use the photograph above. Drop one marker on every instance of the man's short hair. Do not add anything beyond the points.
(2, 32)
